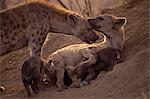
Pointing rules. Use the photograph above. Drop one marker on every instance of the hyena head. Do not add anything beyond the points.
(111, 26)
(81, 28)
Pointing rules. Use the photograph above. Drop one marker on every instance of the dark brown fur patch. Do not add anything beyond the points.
(23, 26)
(13, 38)
(33, 40)
(2, 35)
(32, 35)
(34, 48)
(11, 22)
(39, 39)
(105, 60)
(18, 26)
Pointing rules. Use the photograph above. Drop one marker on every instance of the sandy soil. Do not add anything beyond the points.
(128, 80)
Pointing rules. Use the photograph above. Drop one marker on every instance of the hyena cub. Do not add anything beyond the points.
(32, 74)
(106, 58)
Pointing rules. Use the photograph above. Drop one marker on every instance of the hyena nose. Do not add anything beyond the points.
(95, 38)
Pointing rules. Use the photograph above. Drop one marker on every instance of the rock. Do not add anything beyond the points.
(2, 88)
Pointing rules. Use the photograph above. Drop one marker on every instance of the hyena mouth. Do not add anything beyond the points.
(89, 41)
(101, 37)
(96, 27)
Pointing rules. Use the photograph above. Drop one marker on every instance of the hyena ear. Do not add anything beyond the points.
(72, 19)
(120, 22)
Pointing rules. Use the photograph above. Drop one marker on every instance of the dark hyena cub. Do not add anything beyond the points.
(32, 74)
(106, 58)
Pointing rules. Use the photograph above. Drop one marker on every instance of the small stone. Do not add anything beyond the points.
(9, 62)
(2, 88)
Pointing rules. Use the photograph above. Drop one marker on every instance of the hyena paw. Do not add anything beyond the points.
(75, 84)
(36, 92)
(83, 83)
(62, 88)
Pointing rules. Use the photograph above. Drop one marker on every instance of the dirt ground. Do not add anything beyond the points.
(127, 80)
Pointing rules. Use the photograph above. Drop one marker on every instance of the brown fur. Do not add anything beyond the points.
(23, 25)
(69, 58)
(106, 58)
(116, 42)
(32, 73)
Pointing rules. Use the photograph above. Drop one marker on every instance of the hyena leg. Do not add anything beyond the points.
(28, 90)
(90, 75)
(35, 50)
(75, 81)
(41, 83)
(87, 80)
(26, 85)
(35, 87)
(35, 44)
(60, 71)
(90, 60)
(74, 77)
(60, 79)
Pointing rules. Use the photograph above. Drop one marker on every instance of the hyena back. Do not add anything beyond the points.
(28, 25)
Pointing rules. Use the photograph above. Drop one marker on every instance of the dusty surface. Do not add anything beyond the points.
(128, 80)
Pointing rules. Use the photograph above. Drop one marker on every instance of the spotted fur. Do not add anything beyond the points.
(75, 58)
(29, 24)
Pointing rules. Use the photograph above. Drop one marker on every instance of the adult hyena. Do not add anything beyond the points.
(29, 24)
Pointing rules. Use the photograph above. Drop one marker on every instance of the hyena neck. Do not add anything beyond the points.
(58, 24)
(109, 41)
(55, 16)
(58, 20)
(114, 41)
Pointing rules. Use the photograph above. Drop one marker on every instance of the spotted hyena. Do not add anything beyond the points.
(29, 24)
(82, 56)
(32, 72)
